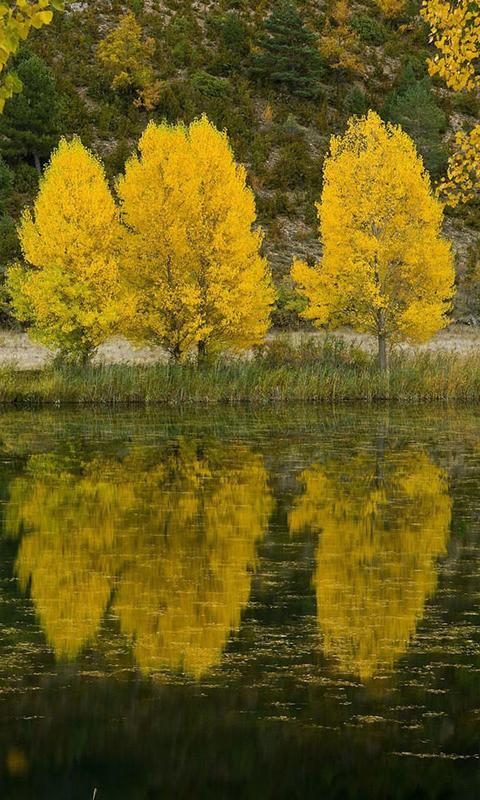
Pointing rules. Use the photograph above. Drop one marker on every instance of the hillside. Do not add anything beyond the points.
(194, 58)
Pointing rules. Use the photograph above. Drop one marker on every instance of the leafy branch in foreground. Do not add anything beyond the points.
(455, 26)
(16, 22)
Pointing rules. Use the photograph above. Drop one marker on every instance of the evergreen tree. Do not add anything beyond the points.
(233, 43)
(9, 250)
(413, 70)
(6, 185)
(356, 101)
(29, 125)
(9, 244)
(416, 111)
(288, 54)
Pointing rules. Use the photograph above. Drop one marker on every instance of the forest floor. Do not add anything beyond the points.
(17, 350)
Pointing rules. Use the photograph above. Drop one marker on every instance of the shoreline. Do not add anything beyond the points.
(343, 377)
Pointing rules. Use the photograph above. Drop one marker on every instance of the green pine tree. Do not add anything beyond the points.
(288, 54)
(29, 124)
(9, 244)
(6, 185)
(233, 43)
(356, 102)
(416, 111)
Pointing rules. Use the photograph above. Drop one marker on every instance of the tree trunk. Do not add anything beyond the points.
(38, 165)
(201, 351)
(382, 353)
(176, 354)
(86, 358)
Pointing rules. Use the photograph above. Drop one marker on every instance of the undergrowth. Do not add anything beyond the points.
(310, 371)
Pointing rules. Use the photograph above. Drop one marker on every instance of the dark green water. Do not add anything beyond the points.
(229, 603)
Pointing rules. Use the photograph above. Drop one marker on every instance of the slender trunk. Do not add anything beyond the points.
(38, 165)
(382, 353)
(176, 353)
(382, 342)
(85, 356)
(202, 351)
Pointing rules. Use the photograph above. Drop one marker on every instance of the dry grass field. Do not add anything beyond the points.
(18, 350)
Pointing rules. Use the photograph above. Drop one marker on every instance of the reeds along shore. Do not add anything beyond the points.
(278, 373)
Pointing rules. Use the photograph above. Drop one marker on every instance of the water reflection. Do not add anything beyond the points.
(135, 536)
(165, 538)
(384, 518)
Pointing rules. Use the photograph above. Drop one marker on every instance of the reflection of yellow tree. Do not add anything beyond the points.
(171, 535)
(383, 521)
(180, 601)
(70, 521)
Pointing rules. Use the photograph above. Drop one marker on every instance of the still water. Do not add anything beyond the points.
(229, 603)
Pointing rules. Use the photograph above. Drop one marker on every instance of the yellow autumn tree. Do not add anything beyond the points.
(462, 183)
(386, 268)
(69, 286)
(126, 56)
(383, 520)
(191, 252)
(17, 18)
(391, 8)
(340, 44)
(455, 26)
(167, 538)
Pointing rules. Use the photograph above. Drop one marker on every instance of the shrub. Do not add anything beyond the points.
(466, 103)
(9, 244)
(370, 30)
(210, 85)
(288, 308)
(310, 350)
(417, 112)
(356, 102)
(295, 166)
(26, 179)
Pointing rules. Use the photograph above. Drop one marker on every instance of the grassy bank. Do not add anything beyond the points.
(331, 372)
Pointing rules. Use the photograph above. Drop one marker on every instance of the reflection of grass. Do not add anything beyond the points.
(280, 373)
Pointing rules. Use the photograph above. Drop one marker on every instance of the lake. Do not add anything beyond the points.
(234, 603)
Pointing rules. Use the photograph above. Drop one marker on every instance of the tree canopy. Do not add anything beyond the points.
(70, 290)
(288, 53)
(191, 252)
(126, 56)
(386, 267)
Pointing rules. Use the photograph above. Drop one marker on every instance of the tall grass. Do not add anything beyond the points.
(330, 372)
